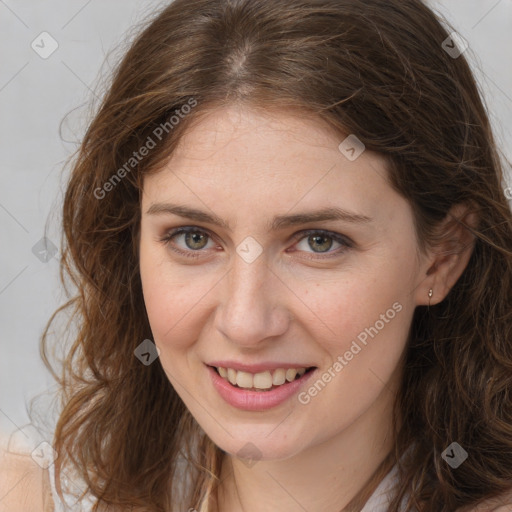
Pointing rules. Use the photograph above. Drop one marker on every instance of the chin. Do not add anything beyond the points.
(256, 445)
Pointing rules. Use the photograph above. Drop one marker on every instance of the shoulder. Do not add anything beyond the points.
(24, 485)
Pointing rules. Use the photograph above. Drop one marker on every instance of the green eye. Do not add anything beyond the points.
(321, 242)
(195, 240)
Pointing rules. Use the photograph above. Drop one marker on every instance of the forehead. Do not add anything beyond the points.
(273, 136)
(276, 160)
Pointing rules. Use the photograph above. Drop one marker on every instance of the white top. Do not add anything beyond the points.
(378, 501)
(381, 497)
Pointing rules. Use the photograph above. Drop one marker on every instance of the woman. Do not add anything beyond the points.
(293, 254)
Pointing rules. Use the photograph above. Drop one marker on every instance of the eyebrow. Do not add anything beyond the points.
(278, 222)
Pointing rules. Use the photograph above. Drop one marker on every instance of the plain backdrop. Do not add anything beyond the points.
(40, 96)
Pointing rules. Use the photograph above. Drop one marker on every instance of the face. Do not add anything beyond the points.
(267, 249)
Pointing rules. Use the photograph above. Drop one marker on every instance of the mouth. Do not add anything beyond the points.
(264, 381)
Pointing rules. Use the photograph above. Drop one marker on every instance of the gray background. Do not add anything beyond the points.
(37, 94)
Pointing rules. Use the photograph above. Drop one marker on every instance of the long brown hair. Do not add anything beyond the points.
(374, 68)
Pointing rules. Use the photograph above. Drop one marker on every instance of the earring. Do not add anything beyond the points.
(430, 293)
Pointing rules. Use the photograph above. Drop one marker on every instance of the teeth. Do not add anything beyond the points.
(232, 375)
(279, 377)
(262, 380)
(290, 374)
(244, 380)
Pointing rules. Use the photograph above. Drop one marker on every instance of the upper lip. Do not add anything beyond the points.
(256, 367)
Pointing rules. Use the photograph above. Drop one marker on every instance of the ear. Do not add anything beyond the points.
(445, 261)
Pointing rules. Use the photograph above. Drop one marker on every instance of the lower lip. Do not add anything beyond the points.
(256, 400)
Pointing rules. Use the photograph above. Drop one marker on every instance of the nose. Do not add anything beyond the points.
(252, 307)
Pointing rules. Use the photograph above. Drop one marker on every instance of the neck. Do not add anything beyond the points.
(337, 475)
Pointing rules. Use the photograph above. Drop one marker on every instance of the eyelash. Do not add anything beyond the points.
(344, 241)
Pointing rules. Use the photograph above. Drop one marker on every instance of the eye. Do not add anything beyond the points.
(321, 242)
(195, 240)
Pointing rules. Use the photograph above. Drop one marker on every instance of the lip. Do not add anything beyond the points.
(256, 368)
(257, 400)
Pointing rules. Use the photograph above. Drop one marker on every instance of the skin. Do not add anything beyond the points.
(281, 307)
(294, 303)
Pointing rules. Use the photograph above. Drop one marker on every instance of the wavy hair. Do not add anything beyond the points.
(374, 68)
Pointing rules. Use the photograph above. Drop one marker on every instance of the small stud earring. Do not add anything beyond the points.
(430, 293)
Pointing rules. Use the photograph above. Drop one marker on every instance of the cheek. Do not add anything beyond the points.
(369, 320)
(173, 299)
(364, 316)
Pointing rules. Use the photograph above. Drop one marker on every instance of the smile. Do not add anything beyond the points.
(258, 391)
(261, 381)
